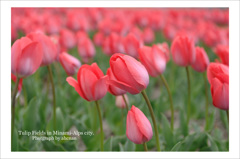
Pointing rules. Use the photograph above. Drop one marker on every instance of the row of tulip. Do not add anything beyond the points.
(125, 44)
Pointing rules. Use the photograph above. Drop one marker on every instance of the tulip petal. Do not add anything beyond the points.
(132, 131)
(100, 88)
(71, 81)
(123, 86)
(98, 72)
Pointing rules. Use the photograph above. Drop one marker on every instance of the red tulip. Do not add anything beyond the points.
(164, 48)
(81, 35)
(153, 59)
(201, 63)
(112, 89)
(98, 38)
(91, 82)
(69, 63)
(139, 129)
(86, 49)
(132, 44)
(220, 93)
(49, 48)
(223, 52)
(148, 35)
(130, 74)
(183, 51)
(14, 78)
(120, 103)
(67, 39)
(217, 70)
(26, 57)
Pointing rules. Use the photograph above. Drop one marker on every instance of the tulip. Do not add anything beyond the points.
(69, 63)
(202, 61)
(49, 48)
(223, 52)
(91, 85)
(139, 129)
(153, 59)
(98, 38)
(164, 48)
(183, 51)
(132, 44)
(132, 77)
(148, 35)
(26, 57)
(130, 74)
(120, 102)
(217, 70)
(67, 39)
(86, 49)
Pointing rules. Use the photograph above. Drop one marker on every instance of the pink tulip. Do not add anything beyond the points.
(183, 51)
(112, 89)
(153, 59)
(86, 49)
(26, 57)
(98, 38)
(139, 129)
(201, 63)
(223, 53)
(164, 48)
(69, 63)
(91, 83)
(81, 35)
(217, 70)
(67, 39)
(120, 103)
(130, 74)
(132, 44)
(148, 35)
(49, 48)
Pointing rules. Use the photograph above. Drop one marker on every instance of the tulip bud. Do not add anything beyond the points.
(217, 70)
(130, 74)
(132, 44)
(49, 47)
(69, 63)
(67, 39)
(223, 52)
(26, 57)
(183, 51)
(201, 63)
(148, 35)
(164, 48)
(120, 103)
(98, 38)
(139, 129)
(153, 59)
(112, 89)
(91, 83)
(86, 49)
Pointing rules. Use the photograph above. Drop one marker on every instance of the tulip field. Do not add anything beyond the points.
(120, 79)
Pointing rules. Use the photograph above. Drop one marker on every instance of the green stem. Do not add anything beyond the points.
(206, 98)
(101, 128)
(189, 95)
(13, 108)
(171, 101)
(125, 102)
(54, 97)
(153, 118)
(227, 111)
(25, 96)
(145, 146)
(122, 118)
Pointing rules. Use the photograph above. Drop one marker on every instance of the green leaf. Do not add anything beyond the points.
(60, 124)
(129, 146)
(14, 145)
(30, 115)
(213, 146)
(108, 144)
(121, 147)
(167, 133)
(183, 122)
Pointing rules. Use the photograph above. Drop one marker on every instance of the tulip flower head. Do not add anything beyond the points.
(223, 52)
(139, 129)
(120, 103)
(130, 74)
(86, 49)
(26, 57)
(69, 63)
(91, 83)
(201, 63)
(183, 51)
(132, 44)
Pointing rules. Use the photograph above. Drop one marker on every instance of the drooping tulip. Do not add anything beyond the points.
(69, 63)
(139, 129)
(132, 44)
(153, 59)
(183, 51)
(86, 49)
(120, 103)
(112, 89)
(201, 63)
(130, 74)
(223, 53)
(91, 83)
(26, 57)
(48, 47)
